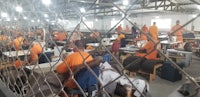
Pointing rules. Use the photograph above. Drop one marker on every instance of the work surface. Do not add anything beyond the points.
(21, 53)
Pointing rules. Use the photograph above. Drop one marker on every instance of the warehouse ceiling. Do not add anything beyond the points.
(36, 10)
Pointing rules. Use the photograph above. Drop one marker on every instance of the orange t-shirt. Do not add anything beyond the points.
(18, 42)
(60, 36)
(73, 60)
(119, 29)
(127, 29)
(34, 51)
(153, 31)
(3, 38)
(148, 47)
(18, 63)
(145, 30)
(178, 33)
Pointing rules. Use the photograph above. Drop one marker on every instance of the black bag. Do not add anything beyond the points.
(170, 73)
(120, 90)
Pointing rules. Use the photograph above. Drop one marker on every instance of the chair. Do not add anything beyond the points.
(150, 67)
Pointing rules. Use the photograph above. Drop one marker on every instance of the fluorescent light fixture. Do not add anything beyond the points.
(125, 2)
(25, 18)
(18, 9)
(46, 15)
(47, 20)
(194, 15)
(38, 20)
(157, 17)
(82, 10)
(3, 14)
(8, 19)
(46, 2)
(53, 23)
(15, 18)
(59, 19)
(32, 21)
(114, 8)
(198, 7)
(96, 20)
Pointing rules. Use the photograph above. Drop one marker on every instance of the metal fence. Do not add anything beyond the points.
(36, 80)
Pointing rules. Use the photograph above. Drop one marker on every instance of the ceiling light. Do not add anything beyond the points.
(114, 8)
(46, 2)
(96, 20)
(8, 19)
(113, 19)
(45, 15)
(32, 21)
(47, 20)
(15, 18)
(25, 18)
(18, 9)
(38, 20)
(3, 14)
(82, 10)
(157, 17)
(59, 19)
(198, 7)
(194, 15)
(125, 2)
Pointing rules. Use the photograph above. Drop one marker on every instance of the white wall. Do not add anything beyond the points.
(105, 22)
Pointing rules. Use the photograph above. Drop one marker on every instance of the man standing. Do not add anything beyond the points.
(153, 31)
(133, 29)
(179, 32)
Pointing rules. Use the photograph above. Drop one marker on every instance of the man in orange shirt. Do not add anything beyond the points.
(17, 42)
(145, 30)
(143, 36)
(127, 30)
(148, 49)
(61, 36)
(3, 37)
(179, 32)
(153, 31)
(35, 50)
(119, 28)
(72, 61)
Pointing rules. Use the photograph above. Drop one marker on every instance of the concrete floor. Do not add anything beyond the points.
(162, 88)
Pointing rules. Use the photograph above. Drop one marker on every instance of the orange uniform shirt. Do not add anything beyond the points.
(34, 51)
(153, 31)
(127, 29)
(60, 36)
(178, 33)
(119, 28)
(143, 36)
(73, 60)
(148, 47)
(3, 38)
(17, 42)
(18, 63)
